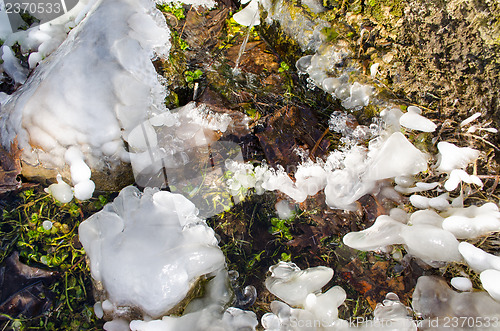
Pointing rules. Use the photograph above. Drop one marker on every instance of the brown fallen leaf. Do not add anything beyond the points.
(24, 290)
(373, 281)
(289, 128)
(10, 168)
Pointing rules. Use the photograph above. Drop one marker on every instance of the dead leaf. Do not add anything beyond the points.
(10, 168)
(24, 290)
(290, 128)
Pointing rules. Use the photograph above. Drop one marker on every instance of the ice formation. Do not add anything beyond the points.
(248, 16)
(413, 120)
(473, 221)
(61, 191)
(148, 250)
(487, 264)
(315, 310)
(478, 259)
(89, 95)
(427, 241)
(164, 140)
(284, 209)
(345, 176)
(301, 288)
(452, 157)
(208, 313)
(461, 283)
(437, 303)
(293, 285)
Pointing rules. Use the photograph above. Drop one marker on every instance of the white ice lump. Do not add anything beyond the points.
(149, 249)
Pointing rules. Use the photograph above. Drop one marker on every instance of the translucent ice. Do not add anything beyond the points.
(396, 157)
(148, 250)
(61, 191)
(489, 280)
(293, 285)
(436, 302)
(384, 232)
(461, 283)
(426, 241)
(359, 96)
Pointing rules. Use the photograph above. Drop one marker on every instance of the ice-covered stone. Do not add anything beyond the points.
(149, 249)
(437, 303)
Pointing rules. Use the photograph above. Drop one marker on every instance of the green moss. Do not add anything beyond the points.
(384, 11)
(57, 249)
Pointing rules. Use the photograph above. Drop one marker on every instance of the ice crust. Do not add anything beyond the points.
(149, 249)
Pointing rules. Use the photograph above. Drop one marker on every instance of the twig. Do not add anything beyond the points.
(311, 155)
(482, 139)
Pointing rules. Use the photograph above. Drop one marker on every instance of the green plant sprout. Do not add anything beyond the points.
(283, 67)
(176, 9)
(281, 228)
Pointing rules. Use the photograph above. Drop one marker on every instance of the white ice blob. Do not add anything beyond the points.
(452, 157)
(248, 16)
(478, 259)
(473, 221)
(293, 285)
(149, 249)
(61, 191)
(396, 157)
(413, 120)
(461, 283)
(489, 280)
